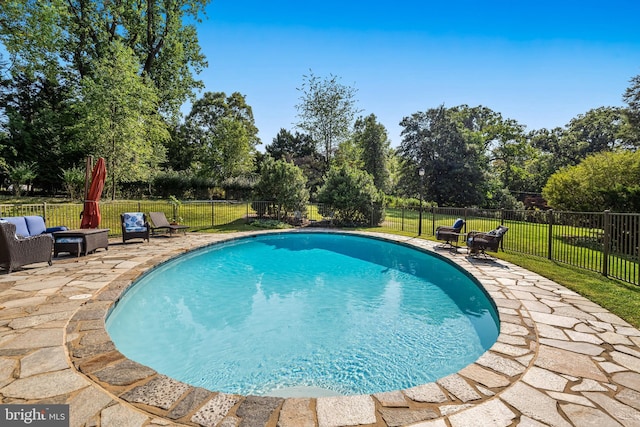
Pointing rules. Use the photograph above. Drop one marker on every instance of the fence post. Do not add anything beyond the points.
(213, 214)
(550, 238)
(402, 226)
(44, 210)
(606, 242)
(247, 216)
(433, 220)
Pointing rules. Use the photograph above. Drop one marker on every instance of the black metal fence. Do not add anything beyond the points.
(605, 242)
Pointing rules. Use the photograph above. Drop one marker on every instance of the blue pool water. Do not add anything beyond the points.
(316, 313)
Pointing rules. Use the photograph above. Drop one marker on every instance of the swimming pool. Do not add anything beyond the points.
(305, 313)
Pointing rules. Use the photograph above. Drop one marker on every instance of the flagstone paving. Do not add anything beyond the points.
(560, 360)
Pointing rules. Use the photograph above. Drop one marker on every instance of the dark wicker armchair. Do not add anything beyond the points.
(480, 242)
(18, 251)
(450, 234)
(134, 226)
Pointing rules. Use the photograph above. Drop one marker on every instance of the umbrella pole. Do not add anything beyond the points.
(87, 176)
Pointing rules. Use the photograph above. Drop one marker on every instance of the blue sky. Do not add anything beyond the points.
(540, 63)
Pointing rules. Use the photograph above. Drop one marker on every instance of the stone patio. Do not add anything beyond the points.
(560, 360)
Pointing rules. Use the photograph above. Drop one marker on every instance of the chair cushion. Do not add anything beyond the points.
(69, 240)
(134, 221)
(35, 224)
(21, 225)
(58, 228)
(459, 223)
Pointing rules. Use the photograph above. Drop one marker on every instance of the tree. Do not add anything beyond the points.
(352, 196)
(433, 140)
(21, 175)
(300, 149)
(632, 98)
(119, 117)
(602, 181)
(67, 38)
(220, 135)
(600, 129)
(372, 137)
(326, 111)
(282, 183)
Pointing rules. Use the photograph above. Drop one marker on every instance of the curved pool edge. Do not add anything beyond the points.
(555, 378)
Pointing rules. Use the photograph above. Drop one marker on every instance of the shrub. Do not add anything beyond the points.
(352, 196)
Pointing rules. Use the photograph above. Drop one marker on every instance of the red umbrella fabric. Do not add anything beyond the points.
(91, 212)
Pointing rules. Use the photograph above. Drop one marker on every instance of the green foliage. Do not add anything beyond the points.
(68, 39)
(74, 181)
(601, 181)
(119, 118)
(454, 166)
(352, 196)
(326, 111)
(632, 113)
(374, 143)
(283, 184)
(221, 136)
(300, 149)
(21, 175)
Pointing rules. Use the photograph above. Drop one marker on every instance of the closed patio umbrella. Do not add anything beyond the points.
(91, 212)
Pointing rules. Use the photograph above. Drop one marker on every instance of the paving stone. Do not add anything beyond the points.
(588, 417)
(576, 347)
(215, 409)
(628, 350)
(512, 329)
(534, 404)
(492, 413)
(433, 423)
(611, 318)
(629, 397)
(47, 359)
(509, 350)
(566, 362)
(585, 337)
(614, 338)
(7, 368)
(194, 399)
(296, 413)
(121, 415)
(553, 320)
(626, 415)
(509, 339)
(500, 364)
(529, 422)
(161, 392)
(44, 319)
(46, 385)
(573, 313)
(544, 379)
(86, 404)
(392, 399)
(429, 392)
(458, 387)
(447, 410)
(484, 376)
(395, 417)
(628, 379)
(124, 373)
(256, 411)
(631, 332)
(625, 360)
(548, 331)
(536, 306)
(588, 385)
(571, 398)
(35, 338)
(345, 411)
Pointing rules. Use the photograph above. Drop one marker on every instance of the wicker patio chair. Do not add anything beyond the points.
(480, 242)
(450, 234)
(134, 226)
(18, 251)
